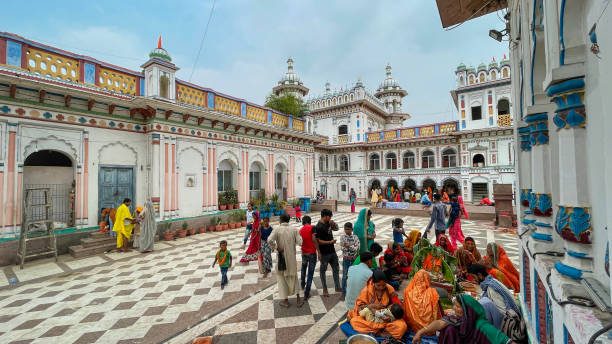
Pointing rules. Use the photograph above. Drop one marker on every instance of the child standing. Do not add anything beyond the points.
(224, 258)
(298, 213)
(398, 231)
(349, 243)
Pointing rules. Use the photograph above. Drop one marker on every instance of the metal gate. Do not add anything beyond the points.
(478, 191)
(62, 198)
(114, 185)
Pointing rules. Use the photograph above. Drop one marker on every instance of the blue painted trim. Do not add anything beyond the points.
(528, 222)
(437, 129)
(416, 131)
(566, 86)
(11, 124)
(14, 51)
(142, 87)
(565, 339)
(561, 39)
(569, 271)
(524, 130)
(155, 136)
(470, 89)
(548, 329)
(543, 224)
(528, 212)
(578, 255)
(542, 237)
(536, 117)
(522, 84)
(593, 37)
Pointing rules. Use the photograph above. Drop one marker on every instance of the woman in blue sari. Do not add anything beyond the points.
(364, 230)
(352, 197)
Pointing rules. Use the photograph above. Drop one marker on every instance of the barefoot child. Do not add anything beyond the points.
(224, 258)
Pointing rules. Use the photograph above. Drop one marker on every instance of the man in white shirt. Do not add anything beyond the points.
(358, 276)
(249, 226)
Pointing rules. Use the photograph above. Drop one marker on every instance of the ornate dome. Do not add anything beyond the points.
(482, 66)
(493, 63)
(160, 52)
(290, 77)
(461, 66)
(389, 83)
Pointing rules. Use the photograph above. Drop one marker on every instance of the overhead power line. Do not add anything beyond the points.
(212, 10)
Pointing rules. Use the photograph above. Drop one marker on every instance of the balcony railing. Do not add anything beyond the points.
(343, 139)
(406, 133)
(504, 120)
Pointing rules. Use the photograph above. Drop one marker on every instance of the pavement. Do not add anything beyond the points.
(173, 295)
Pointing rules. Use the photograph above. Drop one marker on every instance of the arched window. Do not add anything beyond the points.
(408, 160)
(224, 176)
(482, 77)
(449, 158)
(461, 81)
(471, 79)
(343, 129)
(429, 160)
(478, 160)
(391, 161)
(322, 164)
(164, 85)
(374, 162)
(493, 75)
(505, 72)
(344, 163)
(503, 107)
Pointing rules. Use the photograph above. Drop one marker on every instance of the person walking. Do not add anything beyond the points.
(352, 199)
(309, 255)
(251, 217)
(327, 252)
(148, 229)
(285, 239)
(438, 215)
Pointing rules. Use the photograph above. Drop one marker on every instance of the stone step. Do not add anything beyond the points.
(79, 251)
(98, 235)
(91, 242)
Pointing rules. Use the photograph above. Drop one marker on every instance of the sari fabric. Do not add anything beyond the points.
(465, 258)
(368, 296)
(409, 244)
(460, 200)
(148, 228)
(362, 229)
(473, 326)
(352, 197)
(123, 214)
(501, 262)
(420, 302)
(252, 253)
(448, 247)
(445, 198)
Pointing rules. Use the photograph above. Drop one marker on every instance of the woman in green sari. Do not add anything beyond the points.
(364, 230)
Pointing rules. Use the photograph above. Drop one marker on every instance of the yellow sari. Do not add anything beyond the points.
(119, 226)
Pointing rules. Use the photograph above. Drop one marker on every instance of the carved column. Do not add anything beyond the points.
(573, 219)
(155, 181)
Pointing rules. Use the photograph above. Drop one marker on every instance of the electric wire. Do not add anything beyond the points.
(212, 10)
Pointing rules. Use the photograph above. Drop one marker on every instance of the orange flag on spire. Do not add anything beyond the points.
(504, 56)
(159, 42)
(493, 58)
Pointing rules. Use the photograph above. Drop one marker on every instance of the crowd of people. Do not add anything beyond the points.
(483, 309)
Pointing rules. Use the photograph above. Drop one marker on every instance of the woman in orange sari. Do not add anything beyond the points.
(421, 305)
(499, 265)
(376, 295)
(413, 238)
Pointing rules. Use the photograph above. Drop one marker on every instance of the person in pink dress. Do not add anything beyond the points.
(454, 222)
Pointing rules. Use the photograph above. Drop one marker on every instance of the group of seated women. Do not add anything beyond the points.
(380, 312)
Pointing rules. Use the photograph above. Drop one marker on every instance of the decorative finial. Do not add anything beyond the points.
(159, 42)
(493, 58)
(504, 56)
(327, 87)
(290, 64)
(388, 69)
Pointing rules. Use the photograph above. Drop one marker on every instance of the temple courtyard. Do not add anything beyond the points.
(173, 295)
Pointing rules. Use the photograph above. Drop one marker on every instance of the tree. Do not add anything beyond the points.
(286, 103)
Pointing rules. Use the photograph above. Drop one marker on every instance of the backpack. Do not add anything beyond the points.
(514, 327)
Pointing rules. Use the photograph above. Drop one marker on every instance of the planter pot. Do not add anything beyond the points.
(192, 231)
(236, 206)
(225, 227)
(211, 228)
(219, 228)
(182, 233)
(222, 207)
(232, 225)
(168, 236)
(243, 223)
(202, 230)
(276, 213)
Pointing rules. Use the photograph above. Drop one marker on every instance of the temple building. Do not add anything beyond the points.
(559, 52)
(96, 133)
(366, 145)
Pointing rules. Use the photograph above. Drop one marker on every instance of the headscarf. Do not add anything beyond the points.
(139, 209)
(473, 327)
(447, 247)
(490, 282)
(361, 229)
(148, 228)
(460, 200)
(465, 258)
(500, 260)
(412, 239)
(420, 302)
(255, 215)
(475, 252)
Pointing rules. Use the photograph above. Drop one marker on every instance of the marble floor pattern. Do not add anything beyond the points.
(173, 295)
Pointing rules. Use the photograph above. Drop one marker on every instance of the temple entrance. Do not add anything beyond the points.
(53, 170)
(428, 183)
(451, 187)
(410, 184)
(479, 190)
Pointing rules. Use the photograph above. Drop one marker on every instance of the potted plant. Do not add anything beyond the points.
(274, 204)
(235, 199)
(224, 223)
(183, 231)
(267, 209)
(203, 229)
(222, 203)
(217, 223)
(242, 218)
(192, 231)
(211, 225)
(282, 205)
(168, 235)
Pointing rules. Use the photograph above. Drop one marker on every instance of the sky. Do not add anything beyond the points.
(247, 44)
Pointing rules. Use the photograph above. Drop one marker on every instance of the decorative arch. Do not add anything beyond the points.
(229, 155)
(257, 157)
(111, 145)
(408, 159)
(374, 182)
(429, 182)
(478, 160)
(391, 182)
(52, 143)
(482, 77)
(428, 159)
(449, 157)
(180, 155)
(451, 185)
(409, 184)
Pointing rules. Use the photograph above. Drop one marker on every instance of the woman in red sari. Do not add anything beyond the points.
(445, 244)
(254, 250)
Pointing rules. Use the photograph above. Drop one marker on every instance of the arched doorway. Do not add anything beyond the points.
(374, 184)
(256, 179)
(53, 170)
(323, 188)
(280, 181)
(409, 184)
(478, 160)
(227, 177)
(451, 186)
(429, 183)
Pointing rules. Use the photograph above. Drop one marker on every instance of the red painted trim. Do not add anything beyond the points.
(2, 50)
(97, 75)
(81, 71)
(138, 86)
(24, 56)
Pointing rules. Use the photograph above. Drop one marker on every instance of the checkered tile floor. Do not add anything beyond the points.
(174, 295)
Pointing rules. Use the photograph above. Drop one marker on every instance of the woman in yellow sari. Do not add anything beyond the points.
(123, 225)
(413, 238)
